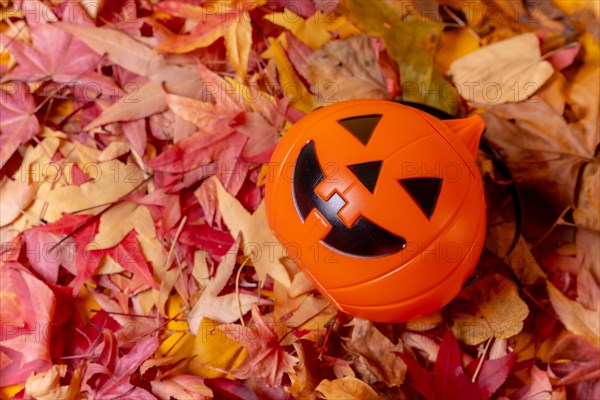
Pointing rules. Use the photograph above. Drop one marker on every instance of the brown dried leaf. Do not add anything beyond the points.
(490, 308)
(306, 375)
(541, 146)
(587, 213)
(347, 69)
(375, 359)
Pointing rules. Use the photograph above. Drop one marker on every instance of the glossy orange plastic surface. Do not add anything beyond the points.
(381, 205)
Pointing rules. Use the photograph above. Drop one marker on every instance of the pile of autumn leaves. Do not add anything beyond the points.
(134, 234)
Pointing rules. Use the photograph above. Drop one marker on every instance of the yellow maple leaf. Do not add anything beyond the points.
(313, 30)
(291, 85)
(238, 40)
(214, 352)
(346, 388)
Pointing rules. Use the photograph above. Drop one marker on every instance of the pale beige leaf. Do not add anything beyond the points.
(117, 222)
(346, 388)
(181, 387)
(36, 160)
(224, 308)
(238, 40)
(92, 7)
(110, 181)
(145, 100)
(120, 48)
(490, 308)
(424, 344)
(16, 196)
(88, 156)
(108, 266)
(114, 150)
(301, 284)
(259, 243)
(507, 71)
(576, 318)
(200, 271)
(182, 80)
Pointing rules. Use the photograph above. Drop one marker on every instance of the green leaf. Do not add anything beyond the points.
(412, 44)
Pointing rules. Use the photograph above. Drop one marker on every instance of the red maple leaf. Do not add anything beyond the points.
(70, 61)
(109, 376)
(266, 358)
(450, 381)
(129, 256)
(18, 123)
(25, 316)
(82, 229)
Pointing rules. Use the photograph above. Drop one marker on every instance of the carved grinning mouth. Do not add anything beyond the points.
(364, 238)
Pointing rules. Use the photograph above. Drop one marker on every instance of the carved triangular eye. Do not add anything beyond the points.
(361, 127)
(424, 191)
(367, 173)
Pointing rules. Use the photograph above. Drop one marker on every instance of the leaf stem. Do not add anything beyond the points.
(237, 289)
(481, 360)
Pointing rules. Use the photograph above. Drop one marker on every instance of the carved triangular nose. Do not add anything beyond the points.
(361, 127)
(367, 173)
(424, 191)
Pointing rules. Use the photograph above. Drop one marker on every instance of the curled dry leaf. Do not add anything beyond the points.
(375, 359)
(574, 316)
(490, 308)
(507, 71)
(46, 385)
(306, 375)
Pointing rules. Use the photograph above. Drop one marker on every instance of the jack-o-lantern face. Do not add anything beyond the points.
(381, 205)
